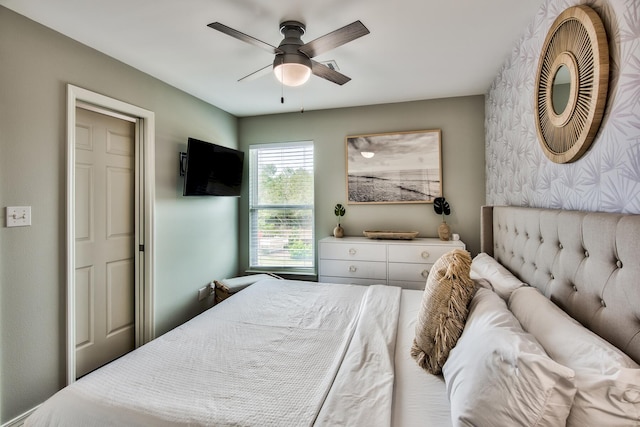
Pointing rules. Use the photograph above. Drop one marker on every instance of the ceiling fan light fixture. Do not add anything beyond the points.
(292, 74)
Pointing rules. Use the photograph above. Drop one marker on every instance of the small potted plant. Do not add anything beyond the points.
(339, 211)
(441, 207)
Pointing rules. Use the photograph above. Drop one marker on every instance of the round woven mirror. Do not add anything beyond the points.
(571, 84)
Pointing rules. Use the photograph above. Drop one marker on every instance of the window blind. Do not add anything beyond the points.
(281, 206)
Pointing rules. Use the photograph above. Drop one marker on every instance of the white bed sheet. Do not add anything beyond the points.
(290, 344)
(362, 393)
(420, 398)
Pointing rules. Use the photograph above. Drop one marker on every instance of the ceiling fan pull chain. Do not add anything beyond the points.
(281, 92)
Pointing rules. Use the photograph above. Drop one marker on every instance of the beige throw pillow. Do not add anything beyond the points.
(444, 310)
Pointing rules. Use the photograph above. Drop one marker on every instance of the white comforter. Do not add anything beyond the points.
(282, 353)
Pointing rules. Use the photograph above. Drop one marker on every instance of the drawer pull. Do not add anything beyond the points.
(352, 251)
(425, 254)
(425, 274)
(353, 268)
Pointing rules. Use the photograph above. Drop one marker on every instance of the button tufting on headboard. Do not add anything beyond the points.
(586, 251)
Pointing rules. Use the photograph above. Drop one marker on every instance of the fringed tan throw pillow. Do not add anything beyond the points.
(445, 305)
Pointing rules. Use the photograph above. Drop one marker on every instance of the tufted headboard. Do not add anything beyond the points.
(588, 263)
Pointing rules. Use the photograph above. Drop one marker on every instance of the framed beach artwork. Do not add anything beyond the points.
(401, 167)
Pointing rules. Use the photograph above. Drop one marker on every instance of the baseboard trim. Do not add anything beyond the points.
(20, 419)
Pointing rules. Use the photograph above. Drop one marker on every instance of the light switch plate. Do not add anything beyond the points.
(18, 216)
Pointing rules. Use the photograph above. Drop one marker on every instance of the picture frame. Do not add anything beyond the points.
(400, 167)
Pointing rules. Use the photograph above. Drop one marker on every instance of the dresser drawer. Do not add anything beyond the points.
(404, 272)
(361, 269)
(352, 251)
(417, 253)
(363, 261)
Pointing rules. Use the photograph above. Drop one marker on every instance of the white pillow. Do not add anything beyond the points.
(501, 279)
(498, 375)
(608, 380)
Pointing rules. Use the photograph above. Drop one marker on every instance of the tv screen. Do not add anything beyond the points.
(212, 170)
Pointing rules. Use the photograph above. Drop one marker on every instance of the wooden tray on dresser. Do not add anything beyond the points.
(390, 235)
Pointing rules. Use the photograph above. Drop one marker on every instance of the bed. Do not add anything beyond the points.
(292, 353)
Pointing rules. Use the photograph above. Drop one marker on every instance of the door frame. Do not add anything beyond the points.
(144, 212)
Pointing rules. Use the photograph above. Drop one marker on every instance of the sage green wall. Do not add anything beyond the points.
(196, 238)
(37, 64)
(462, 123)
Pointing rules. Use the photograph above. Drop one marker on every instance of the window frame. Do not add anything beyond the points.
(256, 207)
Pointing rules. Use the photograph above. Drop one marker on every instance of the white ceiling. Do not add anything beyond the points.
(417, 49)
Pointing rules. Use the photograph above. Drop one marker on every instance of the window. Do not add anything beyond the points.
(281, 207)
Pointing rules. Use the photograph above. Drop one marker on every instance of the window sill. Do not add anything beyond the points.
(293, 274)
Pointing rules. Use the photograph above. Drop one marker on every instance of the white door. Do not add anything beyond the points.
(105, 271)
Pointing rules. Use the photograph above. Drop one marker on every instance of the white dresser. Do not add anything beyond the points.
(364, 261)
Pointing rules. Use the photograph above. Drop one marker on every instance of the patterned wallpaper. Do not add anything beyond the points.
(607, 177)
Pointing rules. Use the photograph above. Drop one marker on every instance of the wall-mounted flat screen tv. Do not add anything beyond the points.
(212, 170)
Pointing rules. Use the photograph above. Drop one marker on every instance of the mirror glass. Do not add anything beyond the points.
(561, 89)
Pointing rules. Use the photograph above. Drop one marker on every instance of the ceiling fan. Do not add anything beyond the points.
(293, 63)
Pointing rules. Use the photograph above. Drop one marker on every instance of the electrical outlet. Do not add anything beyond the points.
(206, 291)
(18, 216)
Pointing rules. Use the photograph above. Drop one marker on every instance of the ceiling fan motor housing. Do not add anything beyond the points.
(292, 32)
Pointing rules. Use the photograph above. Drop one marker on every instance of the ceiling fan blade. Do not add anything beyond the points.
(327, 73)
(244, 37)
(257, 74)
(334, 39)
